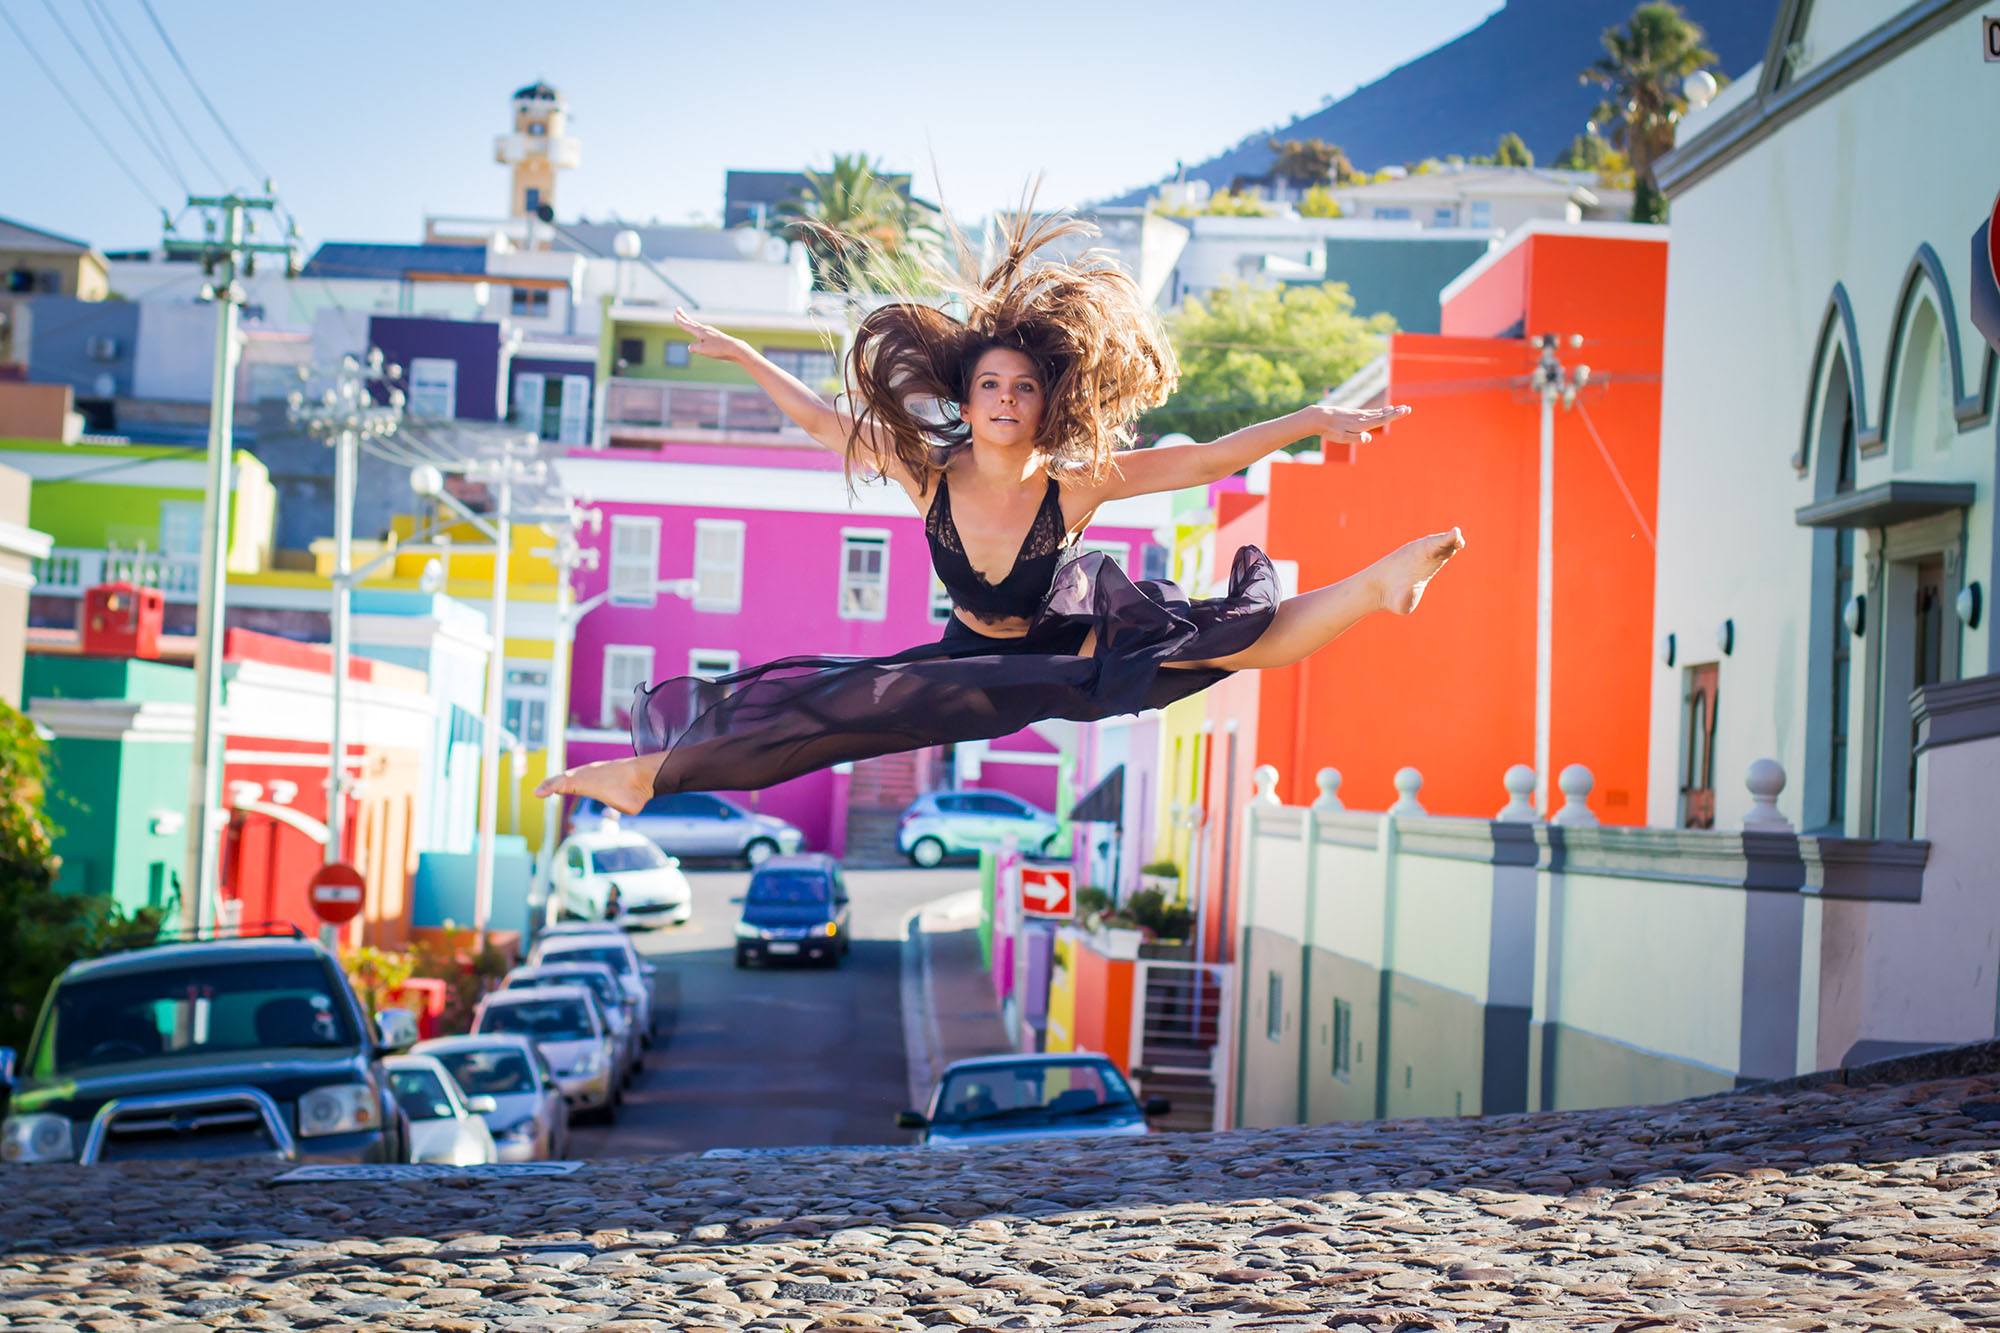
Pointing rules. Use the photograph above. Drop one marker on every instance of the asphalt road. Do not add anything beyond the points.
(777, 1055)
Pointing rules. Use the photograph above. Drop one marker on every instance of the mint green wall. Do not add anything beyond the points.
(102, 794)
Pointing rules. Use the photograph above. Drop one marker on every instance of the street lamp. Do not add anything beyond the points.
(347, 412)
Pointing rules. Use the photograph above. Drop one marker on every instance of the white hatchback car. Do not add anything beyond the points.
(529, 1120)
(651, 887)
(447, 1128)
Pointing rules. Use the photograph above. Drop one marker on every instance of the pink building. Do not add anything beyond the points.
(783, 561)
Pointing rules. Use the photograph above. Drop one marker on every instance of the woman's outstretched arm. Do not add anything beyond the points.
(808, 411)
(1144, 471)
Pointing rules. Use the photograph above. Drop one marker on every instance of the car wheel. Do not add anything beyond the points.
(759, 850)
(742, 958)
(927, 853)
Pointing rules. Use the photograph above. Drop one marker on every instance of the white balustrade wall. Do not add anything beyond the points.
(1400, 963)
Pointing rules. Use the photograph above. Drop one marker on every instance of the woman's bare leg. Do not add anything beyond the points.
(623, 784)
(1308, 622)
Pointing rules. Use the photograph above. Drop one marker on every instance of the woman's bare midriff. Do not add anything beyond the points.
(1013, 627)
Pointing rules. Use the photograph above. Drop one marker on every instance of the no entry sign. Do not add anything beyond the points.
(1985, 284)
(1045, 891)
(336, 891)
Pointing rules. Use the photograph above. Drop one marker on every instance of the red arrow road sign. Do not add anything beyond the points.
(336, 892)
(1045, 891)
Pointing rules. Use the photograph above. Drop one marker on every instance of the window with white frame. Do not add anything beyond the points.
(1274, 1006)
(718, 564)
(635, 560)
(809, 365)
(525, 704)
(180, 527)
(1343, 1039)
(864, 575)
(1479, 213)
(940, 600)
(1443, 215)
(708, 664)
(1387, 213)
(433, 386)
(626, 668)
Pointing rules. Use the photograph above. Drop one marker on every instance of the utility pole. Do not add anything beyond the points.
(1554, 382)
(345, 413)
(223, 257)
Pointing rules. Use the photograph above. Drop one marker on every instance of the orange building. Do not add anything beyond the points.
(1452, 690)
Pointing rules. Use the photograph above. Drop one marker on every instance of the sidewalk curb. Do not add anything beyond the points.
(922, 1041)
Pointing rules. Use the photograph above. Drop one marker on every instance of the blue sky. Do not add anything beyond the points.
(371, 114)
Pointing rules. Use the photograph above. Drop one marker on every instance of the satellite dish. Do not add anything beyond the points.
(1699, 89)
(105, 384)
(748, 242)
(775, 249)
(1166, 441)
(626, 244)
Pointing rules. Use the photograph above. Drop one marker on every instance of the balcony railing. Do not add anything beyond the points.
(68, 570)
(704, 408)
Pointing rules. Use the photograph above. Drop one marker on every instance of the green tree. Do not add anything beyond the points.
(1303, 163)
(1249, 353)
(1513, 151)
(1641, 74)
(1319, 203)
(42, 930)
(1230, 203)
(854, 222)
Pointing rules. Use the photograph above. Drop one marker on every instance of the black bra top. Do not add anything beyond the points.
(1017, 595)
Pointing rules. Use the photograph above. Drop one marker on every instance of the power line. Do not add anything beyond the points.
(82, 115)
(159, 92)
(111, 95)
(138, 99)
(195, 84)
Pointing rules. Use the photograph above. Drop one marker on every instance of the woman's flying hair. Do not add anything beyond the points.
(1102, 353)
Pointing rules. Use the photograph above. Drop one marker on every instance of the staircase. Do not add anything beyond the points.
(1181, 1039)
(877, 794)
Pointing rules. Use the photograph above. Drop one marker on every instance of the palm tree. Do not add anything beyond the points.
(1641, 73)
(1304, 163)
(849, 216)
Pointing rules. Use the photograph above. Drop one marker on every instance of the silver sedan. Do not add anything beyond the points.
(529, 1120)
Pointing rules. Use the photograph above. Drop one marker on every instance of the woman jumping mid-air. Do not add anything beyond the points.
(1003, 423)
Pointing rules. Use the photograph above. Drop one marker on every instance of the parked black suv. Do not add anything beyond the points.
(239, 1047)
(796, 907)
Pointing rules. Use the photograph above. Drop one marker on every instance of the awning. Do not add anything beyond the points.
(1889, 503)
(1104, 803)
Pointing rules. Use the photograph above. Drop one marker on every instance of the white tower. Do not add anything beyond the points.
(537, 148)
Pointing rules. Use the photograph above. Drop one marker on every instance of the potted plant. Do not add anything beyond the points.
(1163, 877)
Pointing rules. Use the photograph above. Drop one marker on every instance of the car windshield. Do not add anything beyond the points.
(626, 857)
(544, 1020)
(611, 955)
(209, 1008)
(605, 988)
(788, 888)
(1030, 1091)
(420, 1093)
(491, 1073)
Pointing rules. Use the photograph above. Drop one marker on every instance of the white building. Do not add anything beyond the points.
(1827, 433)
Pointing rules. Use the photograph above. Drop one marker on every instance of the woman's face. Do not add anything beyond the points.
(1003, 401)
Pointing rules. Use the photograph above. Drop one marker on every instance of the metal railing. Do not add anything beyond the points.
(709, 408)
(71, 569)
(1181, 1037)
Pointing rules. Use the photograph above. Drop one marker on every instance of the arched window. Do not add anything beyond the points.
(1920, 424)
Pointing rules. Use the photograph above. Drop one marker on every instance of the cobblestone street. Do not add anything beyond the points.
(1829, 1206)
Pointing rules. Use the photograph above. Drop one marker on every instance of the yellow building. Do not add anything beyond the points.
(1183, 733)
(35, 263)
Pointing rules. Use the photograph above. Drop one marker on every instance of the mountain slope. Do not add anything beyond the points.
(1516, 71)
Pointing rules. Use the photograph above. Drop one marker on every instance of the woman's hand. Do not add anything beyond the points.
(709, 340)
(1340, 425)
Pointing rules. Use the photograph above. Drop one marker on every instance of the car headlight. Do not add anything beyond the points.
(338, 1108)
(37, 1138)
(518, 1132)
(746, 931)
(588, 1065)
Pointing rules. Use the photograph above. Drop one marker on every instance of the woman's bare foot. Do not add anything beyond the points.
(623, 784)
(1403, 573)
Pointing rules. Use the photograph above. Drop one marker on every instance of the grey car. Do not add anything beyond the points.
(602, 942)
(570, 1030)
(695, 824)
(529, 1120)
(959, 823)
(208, 1048)
(613, 998)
